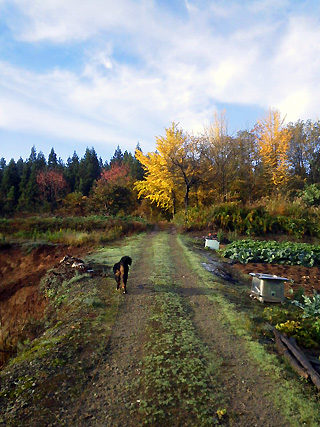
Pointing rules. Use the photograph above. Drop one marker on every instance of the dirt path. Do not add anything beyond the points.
(106, 401)
(243, 383)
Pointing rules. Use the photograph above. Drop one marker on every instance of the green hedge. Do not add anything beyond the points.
(251, 221)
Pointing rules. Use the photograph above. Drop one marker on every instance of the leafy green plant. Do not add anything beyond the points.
(289, 253)
(305, 331)
(221, 236)
(292, 322)
(310, 194)
(310, 305)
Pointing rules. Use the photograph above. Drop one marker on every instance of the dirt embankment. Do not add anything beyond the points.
(21, 302)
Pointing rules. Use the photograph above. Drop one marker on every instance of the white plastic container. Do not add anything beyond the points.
(212, 244)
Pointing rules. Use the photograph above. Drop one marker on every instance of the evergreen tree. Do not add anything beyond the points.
(41, 161)
(24, 200)
(71, 172)
(29, 199)
(52, 160)
(136, 170)
(10, 187)
(117, 158)
(89, 171)
(20, 164)
(2, 167)
(33, 154)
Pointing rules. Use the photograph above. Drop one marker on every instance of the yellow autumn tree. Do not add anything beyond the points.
(174, 168)
(220, 151)
(158, 185)
(273, 142)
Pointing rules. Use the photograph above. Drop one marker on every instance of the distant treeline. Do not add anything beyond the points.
(39, 185)
(185, 171)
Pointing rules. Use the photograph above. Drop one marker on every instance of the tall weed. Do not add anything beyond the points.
(272, 217)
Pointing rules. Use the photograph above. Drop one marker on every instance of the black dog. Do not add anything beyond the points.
(121, 270)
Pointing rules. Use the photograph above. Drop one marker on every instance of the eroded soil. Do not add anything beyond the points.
(21, 269)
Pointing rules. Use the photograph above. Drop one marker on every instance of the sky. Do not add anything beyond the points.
(102, 73)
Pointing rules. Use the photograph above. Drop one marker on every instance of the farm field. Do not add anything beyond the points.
(178, 348)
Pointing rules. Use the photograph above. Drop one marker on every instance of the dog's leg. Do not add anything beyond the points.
(123, 279)
(117, 277)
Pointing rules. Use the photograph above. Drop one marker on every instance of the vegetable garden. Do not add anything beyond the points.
(299, 317)
(289, 253)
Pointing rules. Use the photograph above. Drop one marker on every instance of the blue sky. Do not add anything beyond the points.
(102, 73)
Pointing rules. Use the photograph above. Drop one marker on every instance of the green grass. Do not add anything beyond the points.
(177, 384)
(297, 402)
(70, 230)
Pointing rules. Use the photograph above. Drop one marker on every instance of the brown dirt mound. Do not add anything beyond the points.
(21, 269)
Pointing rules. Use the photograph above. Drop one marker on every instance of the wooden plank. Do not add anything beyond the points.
(296, 366)
(297, 353)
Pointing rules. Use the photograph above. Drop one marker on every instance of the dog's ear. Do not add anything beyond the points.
(129, 260)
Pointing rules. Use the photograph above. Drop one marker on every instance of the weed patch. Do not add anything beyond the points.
(71, 230)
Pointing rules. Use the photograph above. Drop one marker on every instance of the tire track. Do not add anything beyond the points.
(243, 383)
(108, 397)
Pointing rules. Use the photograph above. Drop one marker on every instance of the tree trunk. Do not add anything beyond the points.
(174, 203)
(186, 201)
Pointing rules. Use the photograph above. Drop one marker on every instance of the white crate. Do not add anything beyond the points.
(212, 244)
(268, 287)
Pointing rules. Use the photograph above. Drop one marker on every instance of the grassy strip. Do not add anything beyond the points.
(297, 403)
(43, 224)
(70, 230)
(177, 384)
(51, 372)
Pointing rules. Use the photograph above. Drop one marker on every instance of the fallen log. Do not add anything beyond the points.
(297, 359)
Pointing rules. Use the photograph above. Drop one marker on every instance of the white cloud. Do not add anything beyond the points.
(176, 72)
(296, 70)
(63, 21)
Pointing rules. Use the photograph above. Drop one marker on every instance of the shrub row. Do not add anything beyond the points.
(251, 221)
(38, 225)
